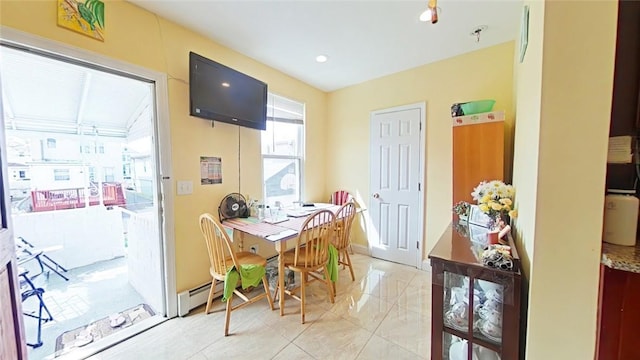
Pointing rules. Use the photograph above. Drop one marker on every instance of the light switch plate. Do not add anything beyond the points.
(185, 187)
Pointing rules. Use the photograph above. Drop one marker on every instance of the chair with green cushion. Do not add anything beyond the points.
(310, 256)
(225, 260)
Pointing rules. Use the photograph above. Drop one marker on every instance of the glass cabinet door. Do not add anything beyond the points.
(454, 348)
(488, 310)
(456, 301)
(481, 352)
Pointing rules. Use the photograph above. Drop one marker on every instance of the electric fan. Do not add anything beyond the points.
(232, 206)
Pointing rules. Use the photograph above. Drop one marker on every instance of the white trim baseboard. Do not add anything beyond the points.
(361, 249)
(426, 265)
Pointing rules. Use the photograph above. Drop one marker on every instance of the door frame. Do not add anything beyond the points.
(161, 132)
(422, 106)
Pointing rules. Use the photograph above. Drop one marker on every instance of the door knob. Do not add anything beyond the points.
(376, 195)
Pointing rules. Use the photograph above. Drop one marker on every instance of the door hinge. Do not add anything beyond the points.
(419, 189)
(420, 128)
(418, 245)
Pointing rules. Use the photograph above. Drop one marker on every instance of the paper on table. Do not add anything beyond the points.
(619, 150)
(281, 235)
(276, 220)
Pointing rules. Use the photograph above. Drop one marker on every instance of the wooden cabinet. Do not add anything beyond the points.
(475, 308)
(619, 315)
(478, 152)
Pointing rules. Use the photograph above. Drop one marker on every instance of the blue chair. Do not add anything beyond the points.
(28, 290)
(26, 250)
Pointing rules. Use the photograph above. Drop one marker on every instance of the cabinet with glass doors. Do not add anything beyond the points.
(475, 308)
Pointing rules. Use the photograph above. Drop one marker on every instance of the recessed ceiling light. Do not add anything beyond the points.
(322, 58)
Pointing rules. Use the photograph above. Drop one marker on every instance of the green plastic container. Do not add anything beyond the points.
(477, 107)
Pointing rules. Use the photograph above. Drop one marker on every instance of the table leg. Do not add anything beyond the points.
(240, 240)
(281, 247)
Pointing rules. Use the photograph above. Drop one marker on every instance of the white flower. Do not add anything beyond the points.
(479, 191)
(494, 197)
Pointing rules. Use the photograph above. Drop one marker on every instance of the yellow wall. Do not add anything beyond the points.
(139, 37)
(563, 101)
(483, 74)
(563, 109)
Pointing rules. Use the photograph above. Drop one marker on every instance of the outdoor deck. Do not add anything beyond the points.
(93, 292)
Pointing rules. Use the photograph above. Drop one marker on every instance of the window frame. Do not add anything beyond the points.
(61, 174)
(300, 149)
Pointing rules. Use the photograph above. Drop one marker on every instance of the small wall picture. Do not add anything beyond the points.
(210, 170)
(83, 16)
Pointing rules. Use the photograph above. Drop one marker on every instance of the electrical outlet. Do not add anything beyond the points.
(254, 249)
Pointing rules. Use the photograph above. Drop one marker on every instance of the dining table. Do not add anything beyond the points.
(276, 231)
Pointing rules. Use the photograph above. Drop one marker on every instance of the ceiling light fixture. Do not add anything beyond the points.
(431, 14)
(477, 30)
(322, 58)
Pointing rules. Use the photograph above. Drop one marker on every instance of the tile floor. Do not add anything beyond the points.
(385, 313)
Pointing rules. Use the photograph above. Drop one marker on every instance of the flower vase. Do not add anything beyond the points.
(495, 225)
(493, 237)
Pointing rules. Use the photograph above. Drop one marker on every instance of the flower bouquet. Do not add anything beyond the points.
(495, 199)
(462, 210)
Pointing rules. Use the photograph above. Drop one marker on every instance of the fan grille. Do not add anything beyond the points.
(233, 205)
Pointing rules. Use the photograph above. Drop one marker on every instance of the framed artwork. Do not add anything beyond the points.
(83, 16)
(210, 170)
(477, 217)
(524, 32)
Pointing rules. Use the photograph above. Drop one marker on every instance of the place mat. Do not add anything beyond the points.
(99, 329)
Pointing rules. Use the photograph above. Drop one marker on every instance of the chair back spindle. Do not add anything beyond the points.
(219, 245)
(344, 219)
(312, 247)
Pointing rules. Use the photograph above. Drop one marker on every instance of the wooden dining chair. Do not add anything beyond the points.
(311, 255)
(223, 258)
(340, 197)
(344, 219)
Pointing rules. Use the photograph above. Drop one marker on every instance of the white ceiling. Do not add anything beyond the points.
(40, 93)
(364, 39)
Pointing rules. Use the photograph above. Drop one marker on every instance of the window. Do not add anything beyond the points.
(61, 174)
(108, 174)
(282, 150)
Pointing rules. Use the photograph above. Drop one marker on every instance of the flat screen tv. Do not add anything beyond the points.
(220, 93)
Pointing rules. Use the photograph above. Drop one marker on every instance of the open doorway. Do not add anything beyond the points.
(85, 194)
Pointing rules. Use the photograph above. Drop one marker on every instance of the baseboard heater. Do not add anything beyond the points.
(191, 299)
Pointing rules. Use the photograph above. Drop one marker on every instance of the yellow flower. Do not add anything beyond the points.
(513, 213)
(506, 201)
(484, 208)
(485, 199)
(495, 206)
(506, 208)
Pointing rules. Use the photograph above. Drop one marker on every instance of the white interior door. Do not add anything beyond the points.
(396, 201)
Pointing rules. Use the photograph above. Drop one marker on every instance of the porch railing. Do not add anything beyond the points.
(47, 200)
